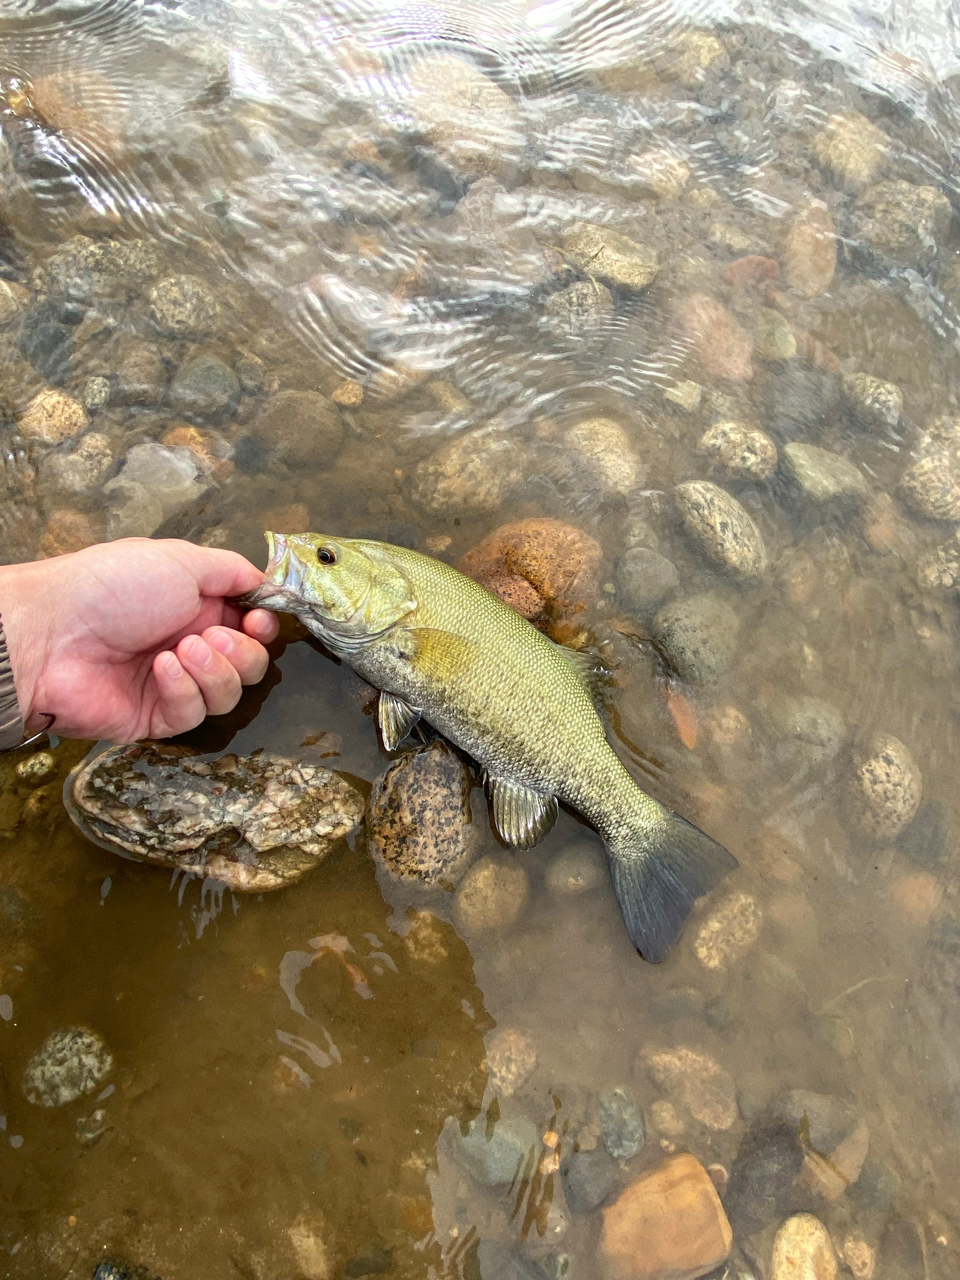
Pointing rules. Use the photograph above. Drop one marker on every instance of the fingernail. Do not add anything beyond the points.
(222, 641)
(198, 651)
(172, 666)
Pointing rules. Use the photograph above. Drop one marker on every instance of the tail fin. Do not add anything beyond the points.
(658, 876)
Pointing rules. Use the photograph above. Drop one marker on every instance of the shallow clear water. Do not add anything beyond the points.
(301, 161)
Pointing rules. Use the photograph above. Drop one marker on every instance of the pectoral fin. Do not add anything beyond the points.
(521, 816)
(396, 718)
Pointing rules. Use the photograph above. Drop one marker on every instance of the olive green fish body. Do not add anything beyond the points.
(442, 647)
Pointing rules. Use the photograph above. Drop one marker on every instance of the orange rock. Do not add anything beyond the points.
(537, 564)
(67, 531)
(917, 895)
(751, 270)
(200, 443)
(668, 1223)
(724, 349)
(292, 519)
(684, 718)
(810, 251)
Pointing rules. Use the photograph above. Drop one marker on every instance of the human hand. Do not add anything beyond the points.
(132, 639)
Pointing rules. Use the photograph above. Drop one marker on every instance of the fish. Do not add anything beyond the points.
(441, 647)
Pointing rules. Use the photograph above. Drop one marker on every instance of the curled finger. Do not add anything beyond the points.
(247, 656)
(216, 677)
(180, 705)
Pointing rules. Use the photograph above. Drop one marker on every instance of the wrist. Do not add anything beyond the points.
(23, 634)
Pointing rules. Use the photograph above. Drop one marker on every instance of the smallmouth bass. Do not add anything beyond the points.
(438, 645)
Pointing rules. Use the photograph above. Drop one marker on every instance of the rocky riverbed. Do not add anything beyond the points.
(650, 328)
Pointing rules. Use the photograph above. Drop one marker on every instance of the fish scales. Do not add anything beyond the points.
(450, 651)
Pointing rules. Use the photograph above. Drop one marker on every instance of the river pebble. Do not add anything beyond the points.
(469, 475)
(822, 477)
(300, 429)
(418, 818)
(204, 387)
(578, 310)
(723, 348)
(885, 789)
(70, 1063)
(621, 1124)
(833, 1139)
(100, 270)
(511, 1059)
(773, 338)
(52, 417)
(723, 528)
(588, 1178)
(606, 255)
(697, 636)
(739, 451)
(852, 150)
(607, 451)
(669, 1221)
(931, 485)
(810, 251)
(155, 486)
(697, 1081)
(578, 869)
(537, 565)
(873, 403)
(79, 470)
(859, 1257)
(141, 376)
(13, 298)
(803, 1250)
(645, 579)
(730, 930)
(184, 307)
(491, 897)
(659, 172)
(494, 1157)
(806, 732)
(902, 224)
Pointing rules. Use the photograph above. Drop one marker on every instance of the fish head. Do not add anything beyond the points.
(347, 591)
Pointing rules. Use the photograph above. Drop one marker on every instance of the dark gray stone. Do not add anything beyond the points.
(876, 1188)
(588, 1178)
(926, 840)
(645, 579)
(762, 1180)
(205, 387)
(495, 1158)
(621, 1123)
(799, 401)
(697, 636)
(806, 732)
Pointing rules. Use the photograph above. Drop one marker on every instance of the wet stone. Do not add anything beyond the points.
(80, 470)
(255, 823)
(70, 1063)
(852, 150)
(723, 348)
(470, 475)
(607, 452)
(537, 565)
(902, 224)
(141, 376)
(723, 528)
(803, 1250)
(102, 270)
(298, 428)
(697, 1081)
(13, 297)
(511, 1059)
(578, 869)
(763, 1179)
(773, 338)
(739, 451)
(578, 310)
(885, 789)
(418, 824)
(831, 1135)
(204, 387)
(659, 173)
(36, 768)
(931, 485)
(157, 485)
(810, 251)
(873, 403)
(96, 393)
(588, 1178)
(928, 839)
(606, 255)
(824, 478)
(807, 732)
(184, 307)
(645, 579)
(495, 1156)
(491, 897)
(52, 417)
(697, 637)
(621, 1124)
(728, 932)
(68, 530)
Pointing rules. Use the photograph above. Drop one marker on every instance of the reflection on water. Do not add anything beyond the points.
(685, 284)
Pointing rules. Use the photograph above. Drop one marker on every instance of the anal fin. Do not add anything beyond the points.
(396, 718)
(521, 816)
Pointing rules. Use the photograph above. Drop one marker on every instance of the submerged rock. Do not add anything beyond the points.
(578, 869)
(254, 822)
(418, 823)
(159, 488)
(184, 307)
(931, 485)
(697, 636)
(873, 403)
(824, 478)
(470, 474)
(100, 270)
(491, 897)
(645, 579)
(495, 1156)
(810, 251)
(903, 224)
(724, 349)
(69, 1063)
(731, 929)
(80, 470)
(803, 1250)
(511, 1059)
(52, 417)
(852, 150)
(885, 790)
(696, 1081)
(607, 451)
(300, 429)
(739, 451)
(604, 254)
(621, 1124)
(723, 528)
(588, 1178)
(205, 387)
(536, 566)
(578, 310)
(669, 1222)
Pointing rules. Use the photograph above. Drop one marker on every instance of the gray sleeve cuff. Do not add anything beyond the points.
(11, 723)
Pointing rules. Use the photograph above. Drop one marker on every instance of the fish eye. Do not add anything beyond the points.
(326, 555)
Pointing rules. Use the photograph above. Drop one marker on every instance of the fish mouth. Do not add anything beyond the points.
(282, 579)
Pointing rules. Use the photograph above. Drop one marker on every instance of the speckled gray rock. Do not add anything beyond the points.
(254, 822)
(184, 307)
(938, 570)
(204, 387)
(621, 1124)
(491, 897)
(645, 579)
(823, 478)
(931, 485)
(806, 732)
(885, 788)
(588, 1178)
(470, 474)
(494, 1159)
(724, 530)
(731, 928)
(77, 470)
(606, 450)
(418, 818)
(902, 224)
(141, 376)
(578, 869)
(100, 270)
(739, 451)
(695, 1080)
(773, 338)
(156, 485)
(300, 429)
(579, 310)
(511, 1059)
(608, 256)
(852, 150)
(70, 1063)
(873, 403)
(697, 636)
(96, 393)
